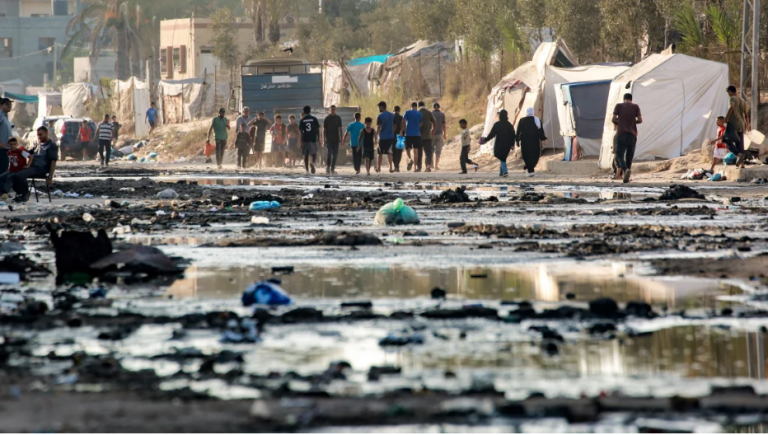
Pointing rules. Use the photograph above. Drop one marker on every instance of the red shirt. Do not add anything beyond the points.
(720, 133)
(17, 159)
(85, 134)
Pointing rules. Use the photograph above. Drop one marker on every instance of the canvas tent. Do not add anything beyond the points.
(524, 87)
(574, 105)
(680, 98)
(49, 104)
(75, 97)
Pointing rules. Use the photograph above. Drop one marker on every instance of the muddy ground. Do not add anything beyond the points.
(513, 305)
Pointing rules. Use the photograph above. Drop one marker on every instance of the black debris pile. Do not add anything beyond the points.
(678, 191)
(452, 196)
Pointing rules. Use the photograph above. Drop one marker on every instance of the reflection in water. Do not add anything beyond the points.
(542, 282)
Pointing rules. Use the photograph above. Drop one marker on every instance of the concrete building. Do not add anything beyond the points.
(186, 48)
(28, 31)
(103, 67)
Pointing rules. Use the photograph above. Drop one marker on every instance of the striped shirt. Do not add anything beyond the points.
(105, 131)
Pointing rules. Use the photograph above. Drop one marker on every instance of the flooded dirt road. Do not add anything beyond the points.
(517, 306)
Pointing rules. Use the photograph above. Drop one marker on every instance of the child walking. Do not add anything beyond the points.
(721, 150)
(368, 138)
(466, 143)
(243, 145)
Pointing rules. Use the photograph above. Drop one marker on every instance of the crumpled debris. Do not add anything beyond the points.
(401, 340)
(146, 259)
(452, 196)
(678, 191)
(697, 174)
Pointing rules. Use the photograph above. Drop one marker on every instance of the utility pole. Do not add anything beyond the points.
(751, 51)
(55, 65)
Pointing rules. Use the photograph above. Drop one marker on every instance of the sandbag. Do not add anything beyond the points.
(396, 213)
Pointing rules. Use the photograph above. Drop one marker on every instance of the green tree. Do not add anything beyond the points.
(568, 19)
(110, 23)
(224, 45)
(433, 20)
(386, 27)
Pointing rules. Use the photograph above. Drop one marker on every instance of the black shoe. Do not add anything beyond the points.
(20, 199)
(463, 172)
(312, 166)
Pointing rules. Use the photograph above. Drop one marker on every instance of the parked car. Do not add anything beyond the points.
(30, 137)
(68, 131)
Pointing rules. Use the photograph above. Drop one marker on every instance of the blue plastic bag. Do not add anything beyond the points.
(400, 145)
(132, 157)
(153, 155)
(730, 159)
(264, 205)
(716, 177)
(265, 293)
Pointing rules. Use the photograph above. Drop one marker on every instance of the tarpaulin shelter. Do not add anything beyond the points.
(379, 58)
(418, 68)
(49, 104)
(190, 99)
(130, 103)
(76, 96)
(341, 82)
(574, 105)
(524, 88)
(680, 98)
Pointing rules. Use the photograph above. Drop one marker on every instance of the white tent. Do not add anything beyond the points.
(190, 99)
(680, 98)
(75, 96)
(557, 110)
(524, 87)
(49, 104)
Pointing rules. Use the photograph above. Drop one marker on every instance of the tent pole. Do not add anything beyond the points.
(744, 49)
(755, 62)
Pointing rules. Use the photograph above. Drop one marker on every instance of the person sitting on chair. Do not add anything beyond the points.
(41, 164)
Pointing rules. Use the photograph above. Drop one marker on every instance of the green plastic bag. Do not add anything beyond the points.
(396, 213)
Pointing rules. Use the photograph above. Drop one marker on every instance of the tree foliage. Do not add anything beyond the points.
(224, 45)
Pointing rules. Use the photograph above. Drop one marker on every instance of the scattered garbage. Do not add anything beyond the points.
(160, 213)
(730, 159)
(244, 331)
(396, 213)
(9, 278)
(57, 193)
(717, 177)
(452, 196)
(678, 191)
(266, 292)
(697, 174)
(263, 205)
(259, 220)
(127, 189)
(168, 194)
(123, 229)
(137, 221)
(131, 157)
(97, 293)
(87, 217)
(401, 340)
(152, 155)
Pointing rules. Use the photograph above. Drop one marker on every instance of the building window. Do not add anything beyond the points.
(6, 47)
(176, 59)
(206, 50)
(163, 61)
(45, 43)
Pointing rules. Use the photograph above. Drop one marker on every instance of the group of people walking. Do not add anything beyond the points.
(419, 133)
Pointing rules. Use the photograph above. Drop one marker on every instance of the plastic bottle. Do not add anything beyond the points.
(264, 205)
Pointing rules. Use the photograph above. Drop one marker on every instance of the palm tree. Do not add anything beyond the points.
(110, 23)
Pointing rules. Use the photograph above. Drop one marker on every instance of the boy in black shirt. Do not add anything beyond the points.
(310, 132)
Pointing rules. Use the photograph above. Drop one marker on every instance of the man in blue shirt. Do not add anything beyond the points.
(386, 131)
(6, 132)
(353, 132)
(412, 131)
(151, 117)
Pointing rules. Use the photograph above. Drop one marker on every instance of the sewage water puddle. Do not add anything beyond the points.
(541, 282)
